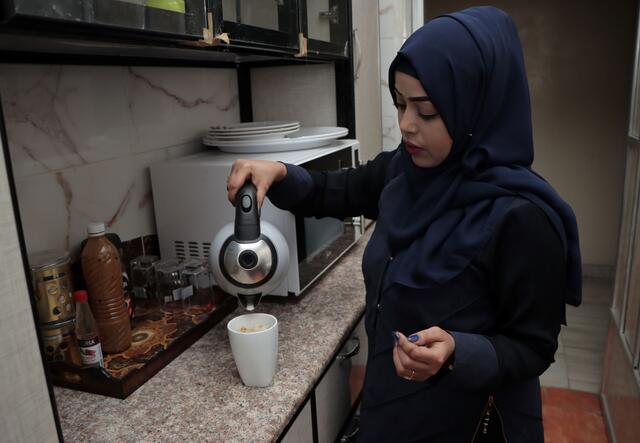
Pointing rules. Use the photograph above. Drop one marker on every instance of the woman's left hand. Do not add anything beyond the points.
(422, 354)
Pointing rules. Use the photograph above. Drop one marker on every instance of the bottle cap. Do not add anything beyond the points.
(80, 295)
(96, 228)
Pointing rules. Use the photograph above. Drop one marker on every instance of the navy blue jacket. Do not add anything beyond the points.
(504, 312)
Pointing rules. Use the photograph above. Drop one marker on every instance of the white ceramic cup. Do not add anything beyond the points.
(255, 353)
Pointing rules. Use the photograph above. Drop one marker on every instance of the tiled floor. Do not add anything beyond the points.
(572, 416)
(580, 352)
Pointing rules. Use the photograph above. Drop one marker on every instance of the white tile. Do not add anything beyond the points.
(581, 371)
(579, 355)
(589, 310)
(598, 325)
(583, 336)
(388, 50)
(62, 116)
(56, 207)
(577, 385)
(560, 349)
(393, 18)
(390, 133)
(554, 382)
(556, 374)
(43, 200)
(303, 93)
(82, 138)
(171, 106)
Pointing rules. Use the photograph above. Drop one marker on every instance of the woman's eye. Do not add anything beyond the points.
(428, 116)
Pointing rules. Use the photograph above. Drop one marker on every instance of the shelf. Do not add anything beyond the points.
(29, 46)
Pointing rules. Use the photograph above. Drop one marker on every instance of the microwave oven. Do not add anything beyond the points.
(191, 206)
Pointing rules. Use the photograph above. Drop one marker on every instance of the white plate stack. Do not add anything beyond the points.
(273, 136)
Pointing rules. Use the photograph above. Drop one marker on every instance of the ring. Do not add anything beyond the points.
(413, 372)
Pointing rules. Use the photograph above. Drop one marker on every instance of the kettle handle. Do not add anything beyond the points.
(247, 222)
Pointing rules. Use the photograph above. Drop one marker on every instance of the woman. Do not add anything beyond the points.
(473, 256)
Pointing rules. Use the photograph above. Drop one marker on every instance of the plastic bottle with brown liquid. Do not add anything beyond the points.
(103, 274)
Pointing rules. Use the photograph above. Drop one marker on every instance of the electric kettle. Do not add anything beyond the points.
(248, 258)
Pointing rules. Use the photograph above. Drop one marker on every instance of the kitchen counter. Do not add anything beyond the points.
(199, 395)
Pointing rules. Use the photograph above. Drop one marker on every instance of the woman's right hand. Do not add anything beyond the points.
(262, 173)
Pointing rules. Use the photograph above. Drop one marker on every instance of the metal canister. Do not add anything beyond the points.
(60, 342)
(53, 287)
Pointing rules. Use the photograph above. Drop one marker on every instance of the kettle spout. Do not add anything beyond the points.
(249, 302)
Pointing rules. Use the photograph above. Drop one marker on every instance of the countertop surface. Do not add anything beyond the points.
(199, 395)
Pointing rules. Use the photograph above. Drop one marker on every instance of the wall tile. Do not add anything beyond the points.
(63, 116)
(395, 26)
(171, 106)
(395, 18)
(56, 207)
(390, 133)
(82, 138)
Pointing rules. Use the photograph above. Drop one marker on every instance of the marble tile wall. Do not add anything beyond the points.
(81, 139)
(366, 66)
(398, 19)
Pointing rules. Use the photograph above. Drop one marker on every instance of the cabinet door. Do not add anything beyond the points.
(301, 431)
(271, 24)
(340, 387)
(180, 18)
(326, 24)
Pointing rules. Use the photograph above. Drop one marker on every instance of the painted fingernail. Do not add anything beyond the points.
(395, 336)
(413, 338)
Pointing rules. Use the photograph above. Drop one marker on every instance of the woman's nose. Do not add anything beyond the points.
(407, 122)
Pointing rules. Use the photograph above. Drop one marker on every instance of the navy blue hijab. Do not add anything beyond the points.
(436, 220)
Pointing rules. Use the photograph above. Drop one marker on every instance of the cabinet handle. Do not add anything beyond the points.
(350, 437)
(348, 354)
(332, 14)
(355, 221)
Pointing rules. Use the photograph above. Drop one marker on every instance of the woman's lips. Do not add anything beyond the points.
(411, 148)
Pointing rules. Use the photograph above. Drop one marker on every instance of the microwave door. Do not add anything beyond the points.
(321, 242)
